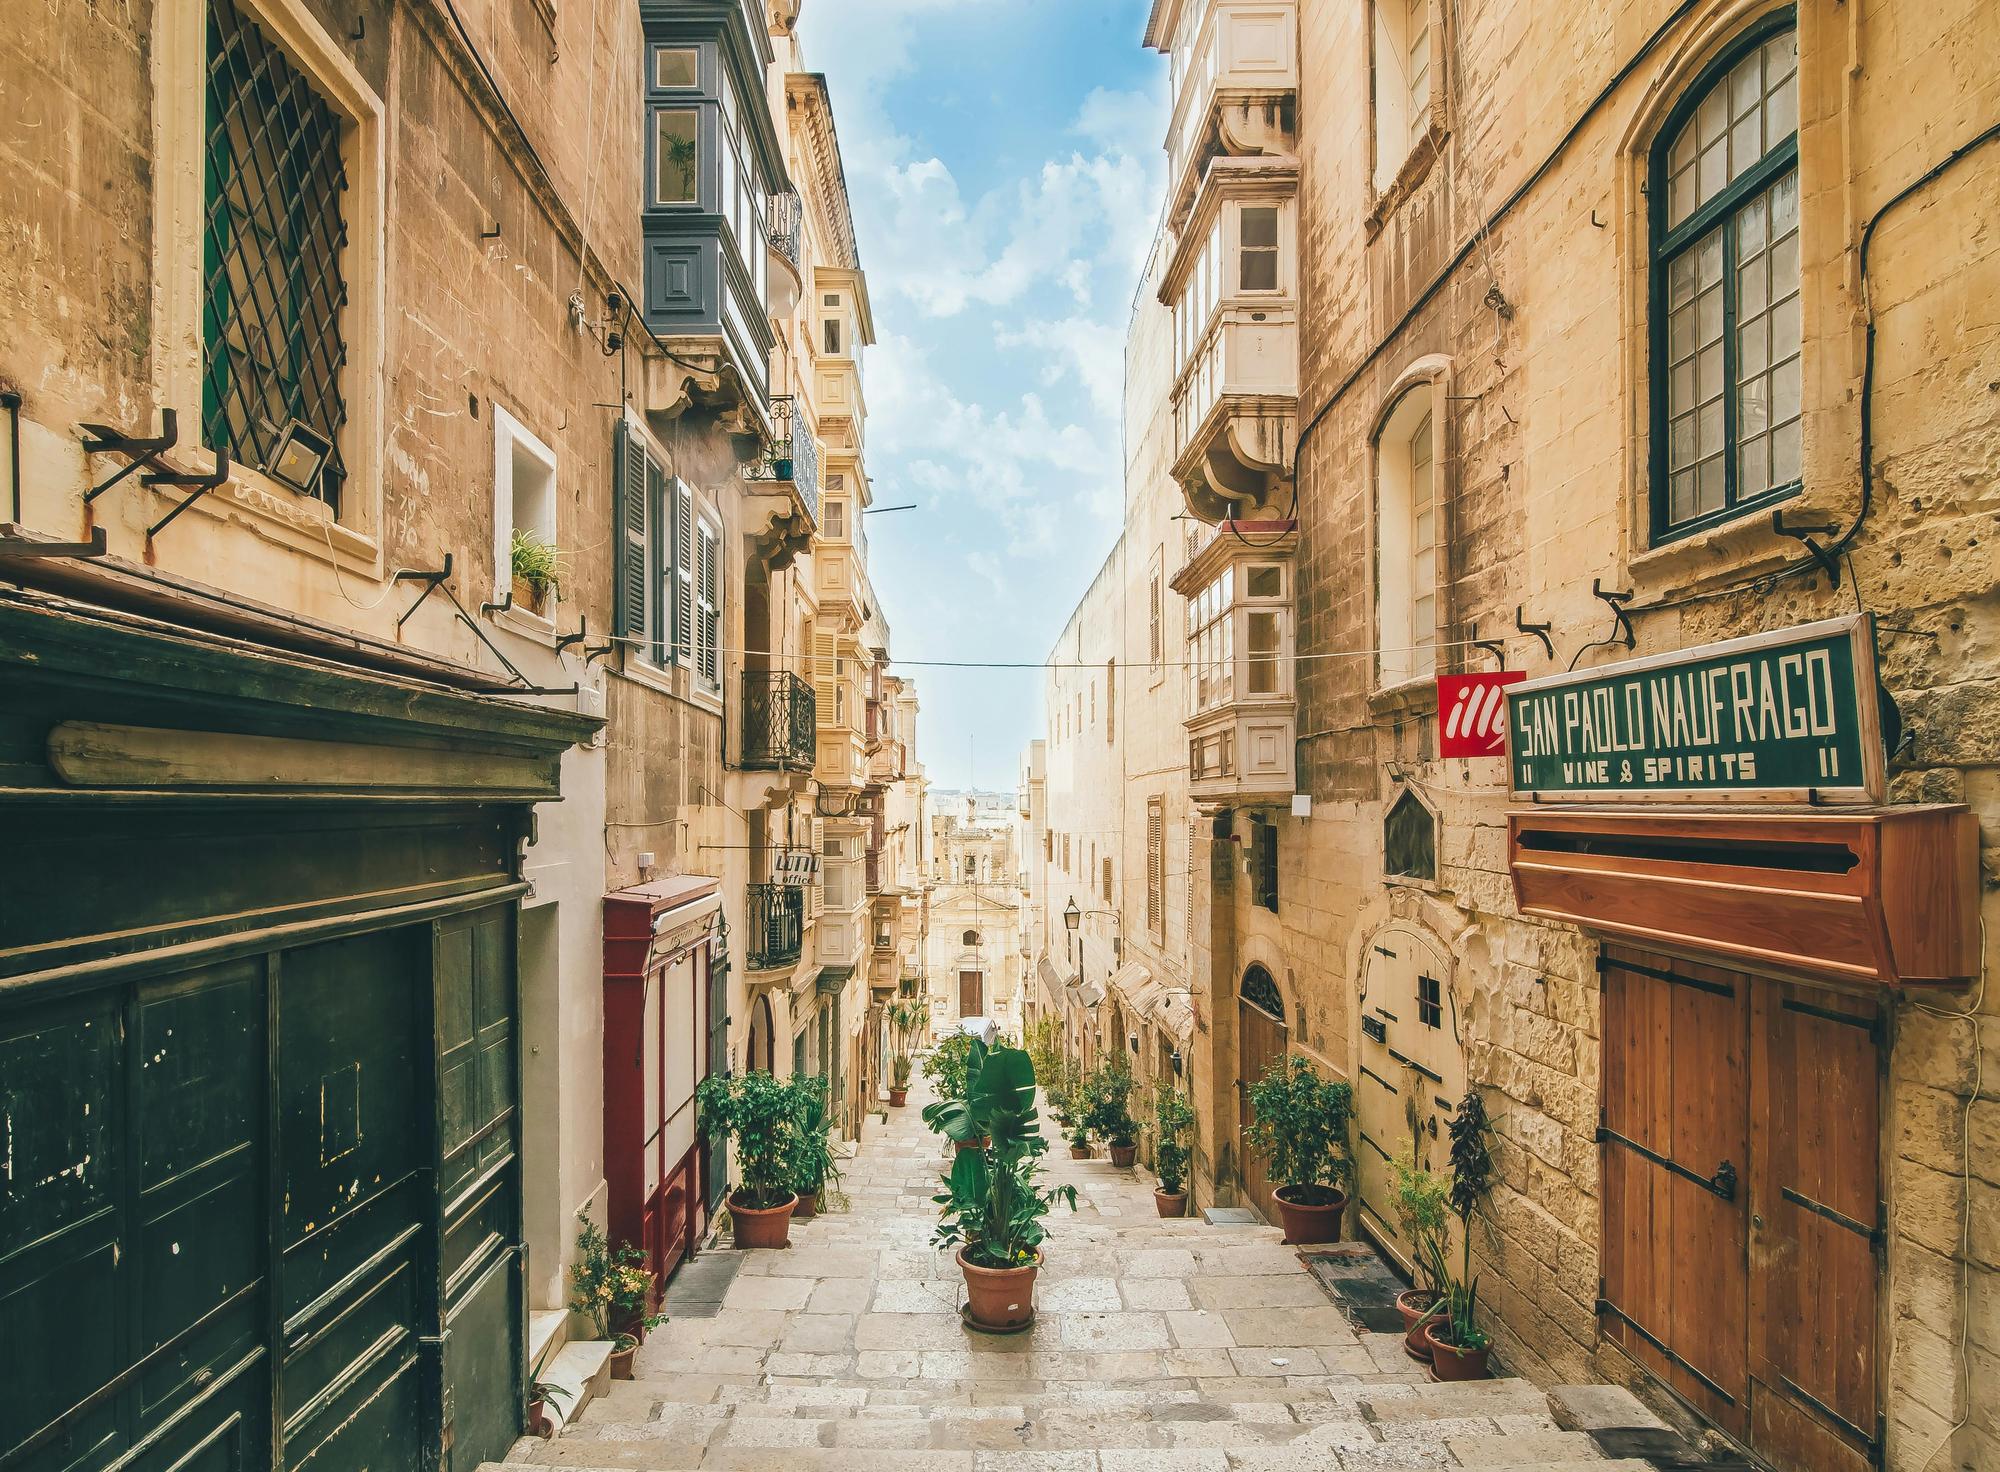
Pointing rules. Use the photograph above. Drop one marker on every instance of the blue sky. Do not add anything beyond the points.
(1004, 162)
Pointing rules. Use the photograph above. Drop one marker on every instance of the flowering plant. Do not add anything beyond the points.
(608, 1285)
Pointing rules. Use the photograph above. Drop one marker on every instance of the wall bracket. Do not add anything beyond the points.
(139, 450)
(1540, 631)
(1624, 634)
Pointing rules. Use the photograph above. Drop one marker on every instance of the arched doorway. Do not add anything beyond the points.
(760, 1053)
(1260, 1037)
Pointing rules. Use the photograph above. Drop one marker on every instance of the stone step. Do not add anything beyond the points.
(668, 1456)
(582, 1367)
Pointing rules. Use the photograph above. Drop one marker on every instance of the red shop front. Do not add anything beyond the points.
(663, 1025)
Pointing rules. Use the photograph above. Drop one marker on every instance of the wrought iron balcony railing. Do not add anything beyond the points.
(780, 721)
(792, 454)
(776, 919)
(785, 225)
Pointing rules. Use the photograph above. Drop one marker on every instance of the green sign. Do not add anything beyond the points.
(1790, 714)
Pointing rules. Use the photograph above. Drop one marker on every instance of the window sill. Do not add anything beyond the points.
(1416, 697)
(1726, 552)
(1412, 172)
(527, 624)
(302, 523)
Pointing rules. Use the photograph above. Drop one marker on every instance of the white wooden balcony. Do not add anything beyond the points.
(1235, 73)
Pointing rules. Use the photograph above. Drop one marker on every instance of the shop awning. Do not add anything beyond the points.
(1085, 993)
(1134, 985)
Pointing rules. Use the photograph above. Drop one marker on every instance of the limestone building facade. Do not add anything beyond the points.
(1628, 342)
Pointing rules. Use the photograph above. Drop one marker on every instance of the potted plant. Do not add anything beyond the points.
(1173, 1117)
(1459, 1347)
(1079, 1141)
(1421, 1199)
(948, 1066)
(611, 1287)
(1299, 1125)
(993, 1204)
(1110, 1114)
(536, 569)
(544, 1399)
(813, 1164)
(761, 1115)
(904, 1019)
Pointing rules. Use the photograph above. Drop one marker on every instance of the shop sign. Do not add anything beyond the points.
(1472, 712)
(1790, 715)
(797, 867)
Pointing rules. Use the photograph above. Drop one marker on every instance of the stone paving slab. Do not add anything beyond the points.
(1159, 1346)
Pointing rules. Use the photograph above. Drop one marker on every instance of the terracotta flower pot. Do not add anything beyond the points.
(1306, 1222)
(1170, 1203)
(980, 1143)
(1079, 1152)
(1123, 1155)
(1448, 1361)
(1418, 1306)
(999, 1298)
(898, 1098)
(808, 1206)
(762, 1227)
(621, 1362)
(541, 1419)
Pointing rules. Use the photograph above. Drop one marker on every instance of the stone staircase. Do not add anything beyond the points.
(1159, 1346)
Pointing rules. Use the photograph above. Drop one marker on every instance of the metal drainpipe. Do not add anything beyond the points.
(11, 398)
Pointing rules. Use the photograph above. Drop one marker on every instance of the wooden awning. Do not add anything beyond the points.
(1887, 895)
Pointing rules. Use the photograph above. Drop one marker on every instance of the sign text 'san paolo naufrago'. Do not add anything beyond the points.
(1781, 714)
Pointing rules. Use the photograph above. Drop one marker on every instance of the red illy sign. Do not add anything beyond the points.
(1472, 712)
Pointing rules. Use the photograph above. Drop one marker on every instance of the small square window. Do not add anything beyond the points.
(674, 67)
(1265, 582)
(677, 133)
(836, 519)
(1430, 1002)
(831, 300)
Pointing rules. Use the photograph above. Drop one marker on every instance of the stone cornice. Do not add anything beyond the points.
(826, 189)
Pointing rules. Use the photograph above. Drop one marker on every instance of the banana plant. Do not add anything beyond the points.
(993, 1204)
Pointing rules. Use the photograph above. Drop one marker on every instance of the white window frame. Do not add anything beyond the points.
(511, 436)
(1404, 94)
(1401, 658)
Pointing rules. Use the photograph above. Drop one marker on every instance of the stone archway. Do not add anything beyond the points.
(759, 1053)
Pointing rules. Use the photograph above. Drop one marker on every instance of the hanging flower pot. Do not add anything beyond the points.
(999, 1300)
(765, 1227)
(1307, 1220)
(1170, 1203)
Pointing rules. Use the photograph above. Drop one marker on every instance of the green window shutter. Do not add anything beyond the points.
(661, 510)
(683, 579)
(629, 467)
(708, 616)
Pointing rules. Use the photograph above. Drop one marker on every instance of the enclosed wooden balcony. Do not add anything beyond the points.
(1235, 78)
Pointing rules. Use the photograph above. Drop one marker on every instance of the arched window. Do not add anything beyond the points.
(1724, 202)
(970, 938)
(1406, 553)
(1409, 839)
(1262, 993)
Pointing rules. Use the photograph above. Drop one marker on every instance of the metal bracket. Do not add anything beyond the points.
(1804, 535)
(592, 656)
(563, 641)
(430, 580)
(1624, 633)
(1493, 647)
(1540, 631)
(102, 439)
(501, 607)
(195, 484)
(13, 543)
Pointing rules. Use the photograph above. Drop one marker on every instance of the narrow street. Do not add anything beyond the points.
(1173, 1346)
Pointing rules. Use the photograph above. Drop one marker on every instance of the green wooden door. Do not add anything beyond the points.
(479, 1175)
(355, 1199)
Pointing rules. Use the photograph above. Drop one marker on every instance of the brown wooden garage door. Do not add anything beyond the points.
(1739, 1135)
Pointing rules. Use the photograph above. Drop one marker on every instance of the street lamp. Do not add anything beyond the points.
(1072, 917)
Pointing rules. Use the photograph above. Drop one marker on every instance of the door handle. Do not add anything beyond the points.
(1724, 1181)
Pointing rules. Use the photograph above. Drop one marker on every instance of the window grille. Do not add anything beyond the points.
(1430, 1002)
(1262, 993)
(274, 235)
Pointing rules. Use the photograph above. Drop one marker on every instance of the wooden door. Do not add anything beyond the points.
(1411, 1074)
(1815, 1222)
(1260, 1037)
(971, 1003)
(1674, 1143)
